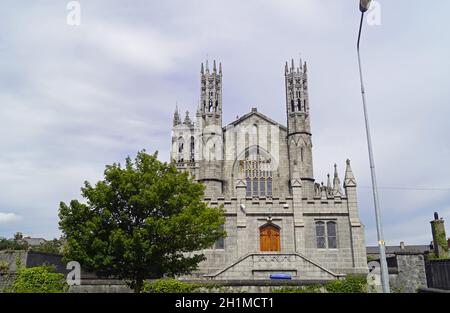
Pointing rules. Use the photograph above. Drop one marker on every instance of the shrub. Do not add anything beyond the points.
(39, 279)
(170, 285)
(4, 267)
(351, 284)
(302, 289)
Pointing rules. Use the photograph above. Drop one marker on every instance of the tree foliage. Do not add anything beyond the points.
(12, 245)
(351, 284)
(54, 246)
(141, 221)
(39, 279)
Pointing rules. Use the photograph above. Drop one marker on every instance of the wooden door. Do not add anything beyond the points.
(269, 238)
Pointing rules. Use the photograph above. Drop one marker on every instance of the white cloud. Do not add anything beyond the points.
(9, 218)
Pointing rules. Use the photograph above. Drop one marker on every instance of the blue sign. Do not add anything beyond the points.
(280, 276)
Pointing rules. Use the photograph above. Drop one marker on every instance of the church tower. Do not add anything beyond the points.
(211, 95)
(299, 127)
(209, 117)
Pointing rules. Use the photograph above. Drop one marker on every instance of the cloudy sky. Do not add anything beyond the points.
(74, 98)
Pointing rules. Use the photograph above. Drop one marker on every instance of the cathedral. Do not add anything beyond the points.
(279, 220)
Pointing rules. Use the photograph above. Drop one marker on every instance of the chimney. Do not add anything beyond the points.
(440, 242)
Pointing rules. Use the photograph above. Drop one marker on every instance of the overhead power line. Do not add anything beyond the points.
(411, 188)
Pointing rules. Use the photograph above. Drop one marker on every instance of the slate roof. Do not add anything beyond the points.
(34, 241)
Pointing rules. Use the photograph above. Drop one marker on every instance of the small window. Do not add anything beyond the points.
(292, 106)
(255, 187)
(262, 187)
(220, 243)
(331, 233)
(192, 149)
(320, 235)
(249, 187)
(269, 187)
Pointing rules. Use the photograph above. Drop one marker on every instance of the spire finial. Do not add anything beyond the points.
(202, 71)
(301, 62)
(293, 66)
(220, 68)
(187, 119)
(305, 68)
(207, 64)
(349, 180)
(176, 116)
(336, 183)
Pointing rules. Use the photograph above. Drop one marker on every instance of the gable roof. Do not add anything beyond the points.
(260, 115)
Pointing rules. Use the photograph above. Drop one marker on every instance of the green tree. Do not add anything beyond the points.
(141, 221)
(18, 236)
(12, 245)
(54, 246)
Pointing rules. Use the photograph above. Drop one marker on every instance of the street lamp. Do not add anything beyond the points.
(364, 6)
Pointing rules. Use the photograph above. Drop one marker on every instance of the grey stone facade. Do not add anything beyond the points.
(261, 172)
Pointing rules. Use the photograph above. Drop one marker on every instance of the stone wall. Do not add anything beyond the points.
(225, 286)
(32, 259)
(410, 274)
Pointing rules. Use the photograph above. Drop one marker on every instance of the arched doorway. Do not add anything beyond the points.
(269, 238)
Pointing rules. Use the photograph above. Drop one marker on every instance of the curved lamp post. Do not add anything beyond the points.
(364, 6)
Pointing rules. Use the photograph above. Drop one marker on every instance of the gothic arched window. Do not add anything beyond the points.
(320, 235)
(192, 156)
(326, 235)
(299, 105)
(258, 176)
(331, 235)
(180, 150)
(292, 106)
(269, 186)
